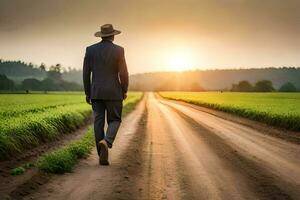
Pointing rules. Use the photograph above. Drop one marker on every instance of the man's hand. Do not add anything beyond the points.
(124, 96)
(88, 100)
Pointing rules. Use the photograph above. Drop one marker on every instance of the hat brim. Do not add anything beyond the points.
(100, 34)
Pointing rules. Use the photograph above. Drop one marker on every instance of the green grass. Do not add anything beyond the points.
(17, 171)
(277, 109)
(27, 120)
(64, 159)
(21, 169)
(131, 101)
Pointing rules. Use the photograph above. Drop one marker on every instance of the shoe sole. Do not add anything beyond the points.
(103, 154)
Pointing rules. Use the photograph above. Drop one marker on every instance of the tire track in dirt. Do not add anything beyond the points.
(153, 168)
(255, 169)
(130, 167)
(257, 179)
(165, 171)
(204, 172)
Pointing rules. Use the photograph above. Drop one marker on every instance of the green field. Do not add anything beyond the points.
(277, 109)
(26, 120)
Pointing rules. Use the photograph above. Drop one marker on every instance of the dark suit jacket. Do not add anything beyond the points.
(105, 62)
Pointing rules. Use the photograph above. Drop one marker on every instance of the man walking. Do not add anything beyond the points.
(105, 64)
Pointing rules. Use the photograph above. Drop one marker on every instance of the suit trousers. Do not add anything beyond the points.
(113, 111)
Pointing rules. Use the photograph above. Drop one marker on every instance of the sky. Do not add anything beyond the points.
(158, 35)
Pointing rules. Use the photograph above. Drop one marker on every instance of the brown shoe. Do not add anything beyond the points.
(103, 153)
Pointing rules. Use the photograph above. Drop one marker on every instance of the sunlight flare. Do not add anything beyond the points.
(180, 59)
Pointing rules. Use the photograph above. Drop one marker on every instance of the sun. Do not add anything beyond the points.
(180, 60)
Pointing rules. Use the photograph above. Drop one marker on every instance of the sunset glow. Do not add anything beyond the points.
(180, 60)
(157, 35)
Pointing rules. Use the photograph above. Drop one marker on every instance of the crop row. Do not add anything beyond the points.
(25, 132)
(14, 105)
(276, 109)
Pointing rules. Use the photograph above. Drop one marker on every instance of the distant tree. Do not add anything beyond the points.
(288, 87)
(245, 86)
(31, 84)
(242, 86)
(31, 65)
(5, 83)
(42, 67)
(264, 86)
(54, 72)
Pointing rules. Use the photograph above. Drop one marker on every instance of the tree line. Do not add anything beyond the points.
(262, 86)
(18, 75)
(214, 80)
(22, 69)
(19, 70)
(53, 81)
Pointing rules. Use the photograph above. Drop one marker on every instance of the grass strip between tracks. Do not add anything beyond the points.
(64, 159)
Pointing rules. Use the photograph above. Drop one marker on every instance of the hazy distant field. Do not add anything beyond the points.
(278, 109)
(26, 120)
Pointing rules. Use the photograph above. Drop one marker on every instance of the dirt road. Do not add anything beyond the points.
(169, 150)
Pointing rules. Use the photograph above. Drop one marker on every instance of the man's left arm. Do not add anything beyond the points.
(123, 74)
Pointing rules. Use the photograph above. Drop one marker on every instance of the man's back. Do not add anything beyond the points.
(106, 62)
(106, 91)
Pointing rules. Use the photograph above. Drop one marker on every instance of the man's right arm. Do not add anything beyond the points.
(87, 75)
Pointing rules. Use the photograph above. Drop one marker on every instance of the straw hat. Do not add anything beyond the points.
(107, 30)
